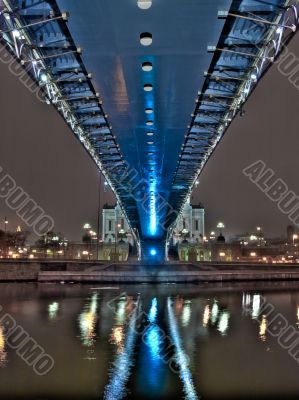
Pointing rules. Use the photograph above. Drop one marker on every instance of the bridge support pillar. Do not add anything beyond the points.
(153, 250)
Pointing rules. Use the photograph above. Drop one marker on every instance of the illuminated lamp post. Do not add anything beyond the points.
(5, 240)
(116, 236)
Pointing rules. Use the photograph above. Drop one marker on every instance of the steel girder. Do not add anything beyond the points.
(253, 36)
(36, 34)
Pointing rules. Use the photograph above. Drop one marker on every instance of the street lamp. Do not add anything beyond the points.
(220, 226)
(295, 236)
(116, 235)
(212, 235)
(5, 241)
(185, 233)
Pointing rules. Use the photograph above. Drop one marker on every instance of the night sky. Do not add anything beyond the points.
(40, 152)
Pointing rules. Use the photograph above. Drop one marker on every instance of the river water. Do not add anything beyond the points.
(149, 342)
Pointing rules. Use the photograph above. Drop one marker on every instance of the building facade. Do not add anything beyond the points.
(190, 226)
(115, 227)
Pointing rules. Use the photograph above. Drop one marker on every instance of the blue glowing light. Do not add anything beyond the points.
(153, 252)
(152, 315)
(152, 207)
(154, 342)
(181, 357)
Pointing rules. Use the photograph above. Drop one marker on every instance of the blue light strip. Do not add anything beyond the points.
(152, 315)
(181, 357)
(153, 216)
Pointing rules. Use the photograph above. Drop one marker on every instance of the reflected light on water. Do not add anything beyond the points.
(186, 314)
(87, 322)
(117, 337)
(246, 300)
(116, 388)
(223, 323)
(121, 312)
(3, 353)
(53, 310)
(214, 312)
(206, 315)
(154, 341)
(263, 328)
(152, 315)
(178, 306)
(256, 305)
(181, 357)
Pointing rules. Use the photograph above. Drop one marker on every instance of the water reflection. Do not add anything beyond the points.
(3, 352)
(252, 305)
(132, 355)
(53, 309)
(152, 315)
(263, 328)
(181, 357)
(206, 316)
(214, 312)
(117, 337)
(120, 372)
(151, 355)
(223, 323)
(186, 314)
(256, 306)
(87, 322)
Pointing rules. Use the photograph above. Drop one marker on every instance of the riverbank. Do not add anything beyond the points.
(91, 271)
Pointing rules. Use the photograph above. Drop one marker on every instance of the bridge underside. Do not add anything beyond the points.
(213, 52)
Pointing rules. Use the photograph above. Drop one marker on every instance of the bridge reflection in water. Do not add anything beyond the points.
(150, 342)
